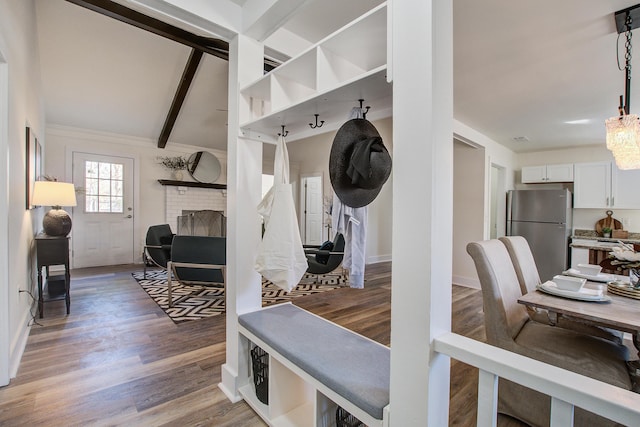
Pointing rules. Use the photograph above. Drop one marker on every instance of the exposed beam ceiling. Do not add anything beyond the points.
(200, 45)
(181, 94)
(212, 46)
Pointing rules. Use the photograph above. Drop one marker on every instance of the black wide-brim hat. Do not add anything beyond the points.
(359, 163)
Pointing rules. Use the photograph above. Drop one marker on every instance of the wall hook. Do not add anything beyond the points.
(316, 125)
(284, 133)
(366, 109)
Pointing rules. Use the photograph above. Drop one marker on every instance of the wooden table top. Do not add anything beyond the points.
(620, 313)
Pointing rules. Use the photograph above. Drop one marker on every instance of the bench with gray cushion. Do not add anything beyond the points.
(336, 359)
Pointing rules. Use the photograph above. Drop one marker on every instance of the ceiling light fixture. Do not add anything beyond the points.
(623, 131)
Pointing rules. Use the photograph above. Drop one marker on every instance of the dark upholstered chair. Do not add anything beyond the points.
(509, 326)
(157, 248)
(197, 261)
(529, 279)
(323, 261)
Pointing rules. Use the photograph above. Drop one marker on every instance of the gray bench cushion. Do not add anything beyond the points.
(347, 363)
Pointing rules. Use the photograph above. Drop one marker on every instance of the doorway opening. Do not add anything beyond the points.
(498, 200)
(4, 225)
(312, 210)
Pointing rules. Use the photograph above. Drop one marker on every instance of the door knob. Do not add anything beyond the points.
(129, 216)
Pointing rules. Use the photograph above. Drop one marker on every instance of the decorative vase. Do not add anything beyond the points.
(178, 175)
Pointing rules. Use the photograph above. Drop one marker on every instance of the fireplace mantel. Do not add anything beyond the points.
(192, 184)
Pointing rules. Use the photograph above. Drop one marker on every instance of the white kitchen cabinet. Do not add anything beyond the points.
(602, 185)
(547, 173)
(624, 188)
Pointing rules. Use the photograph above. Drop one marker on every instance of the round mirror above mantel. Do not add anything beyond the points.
(204, 167)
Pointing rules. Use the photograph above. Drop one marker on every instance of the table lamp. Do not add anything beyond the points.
(56, 222)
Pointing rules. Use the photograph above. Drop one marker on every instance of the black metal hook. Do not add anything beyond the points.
(366, 109)
(316, 125)
(284, 133)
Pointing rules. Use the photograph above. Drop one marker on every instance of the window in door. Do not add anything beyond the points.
(104, 187)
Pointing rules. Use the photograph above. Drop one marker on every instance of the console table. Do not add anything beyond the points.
(51, 250)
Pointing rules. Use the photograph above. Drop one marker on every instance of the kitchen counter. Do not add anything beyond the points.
(589, 239)
(588, 248)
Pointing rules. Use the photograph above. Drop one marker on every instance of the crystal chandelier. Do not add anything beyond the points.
(623, 132)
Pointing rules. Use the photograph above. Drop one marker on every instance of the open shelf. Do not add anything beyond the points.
(192, 184)
(333, 106)
(326, 79)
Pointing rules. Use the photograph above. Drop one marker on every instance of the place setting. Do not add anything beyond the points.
(571, 284)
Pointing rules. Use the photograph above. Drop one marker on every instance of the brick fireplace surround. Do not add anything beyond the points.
(178, 199)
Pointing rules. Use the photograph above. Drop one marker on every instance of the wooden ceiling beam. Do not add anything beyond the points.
(183, 88)
(215, 47)
(199, 44)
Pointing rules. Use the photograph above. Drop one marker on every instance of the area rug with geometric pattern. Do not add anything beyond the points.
(199, 303)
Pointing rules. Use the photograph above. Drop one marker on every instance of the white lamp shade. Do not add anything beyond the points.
(53, 193)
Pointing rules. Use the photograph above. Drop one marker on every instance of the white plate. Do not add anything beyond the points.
(602, 277)
(583, 295)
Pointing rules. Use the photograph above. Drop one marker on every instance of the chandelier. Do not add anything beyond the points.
(623, 131)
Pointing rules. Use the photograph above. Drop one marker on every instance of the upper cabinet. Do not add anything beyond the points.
(603, 185)
(327, 79)
(547, 173)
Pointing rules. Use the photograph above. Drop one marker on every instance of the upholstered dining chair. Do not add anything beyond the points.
(509, 326)
(157, 248)
(528, 278)
(197, 261)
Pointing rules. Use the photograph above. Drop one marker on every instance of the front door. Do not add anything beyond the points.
(103, 220)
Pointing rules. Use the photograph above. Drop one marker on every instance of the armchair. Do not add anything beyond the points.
(197, 261)
(157, 248)
(323, 261)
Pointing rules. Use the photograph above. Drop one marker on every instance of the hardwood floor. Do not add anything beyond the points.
(117, 359)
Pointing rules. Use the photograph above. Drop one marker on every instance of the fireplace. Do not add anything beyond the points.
(202, 223)
(181, 200)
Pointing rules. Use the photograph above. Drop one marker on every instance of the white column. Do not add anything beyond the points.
(422, 58)
(244, 184)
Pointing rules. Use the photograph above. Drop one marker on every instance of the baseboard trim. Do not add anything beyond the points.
(466, 281)
(229, 383)
(378, 258)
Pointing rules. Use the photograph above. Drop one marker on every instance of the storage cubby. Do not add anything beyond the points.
(348, 57)
(291, 400)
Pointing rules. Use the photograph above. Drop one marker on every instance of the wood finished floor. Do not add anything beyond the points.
(117, 359)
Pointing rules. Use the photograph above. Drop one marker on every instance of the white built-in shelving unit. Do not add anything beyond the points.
(327, 79)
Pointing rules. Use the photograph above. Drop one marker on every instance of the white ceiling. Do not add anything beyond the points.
(521, 68)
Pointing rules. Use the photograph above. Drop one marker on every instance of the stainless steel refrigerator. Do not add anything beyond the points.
(544, 218)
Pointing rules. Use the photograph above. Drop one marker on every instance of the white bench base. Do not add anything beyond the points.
(298, 390)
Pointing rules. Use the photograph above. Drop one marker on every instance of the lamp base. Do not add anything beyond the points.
(56, 223)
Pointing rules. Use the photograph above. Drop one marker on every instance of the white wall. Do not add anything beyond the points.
(18, 43)
(468, 205)
(582, 218)
(311, 155)
(494, 154)
(150, 197)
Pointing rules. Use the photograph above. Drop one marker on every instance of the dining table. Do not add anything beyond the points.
(615, 311)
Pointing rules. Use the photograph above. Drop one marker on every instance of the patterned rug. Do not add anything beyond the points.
(208, 302)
